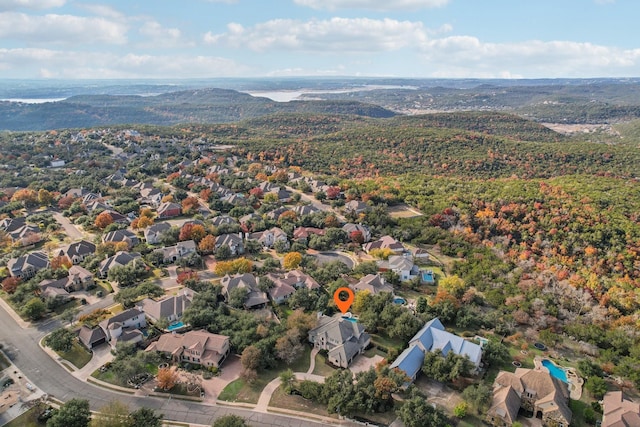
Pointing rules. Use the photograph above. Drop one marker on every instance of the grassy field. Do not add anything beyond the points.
(28, 419)
(321, 367)
(77, 355)
(280, 399)
(240, 391)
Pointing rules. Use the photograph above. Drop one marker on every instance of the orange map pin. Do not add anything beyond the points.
(343, 305)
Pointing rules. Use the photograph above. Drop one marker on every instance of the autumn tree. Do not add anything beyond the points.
(61, 261)
(191, 231)
(10, 284)
(189, 205)
(292, 260)
(356, 237)
(256, 192)
(453, 285)
(26, 196)
(145, 221)
(237, 266)
(251, 357)
(167, 378)
(289, 347)
(207, 245)
(103, 220)
(45, 198)
(65, 202)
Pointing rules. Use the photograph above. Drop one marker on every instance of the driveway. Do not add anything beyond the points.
(230, 371)
(329, 256)
(363, 363)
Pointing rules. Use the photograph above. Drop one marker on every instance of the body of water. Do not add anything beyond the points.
(555, 370)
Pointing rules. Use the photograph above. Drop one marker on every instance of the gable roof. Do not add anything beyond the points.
(88, 336)
(410, 361)
(433, 337)
(37, 260)
(81, 248)
(120, 317)
(373, 283)
(619, 412)
(173, 305)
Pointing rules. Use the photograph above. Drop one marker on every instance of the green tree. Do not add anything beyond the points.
(460, 410)
(287, 379)
(230, 421)
(61, 339)
(596, 386)
(447, 368)
(74, 413)
(495, 353)
(478, 396)
(145, 417)
(34, 309)
(223, 252)
(416, 412)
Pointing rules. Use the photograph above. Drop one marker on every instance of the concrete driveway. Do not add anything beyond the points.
(230, 371)
(363, 363)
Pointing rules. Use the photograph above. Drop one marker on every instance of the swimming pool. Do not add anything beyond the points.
(174, 326)
(350, 319)
(399, 300)
(555, 370)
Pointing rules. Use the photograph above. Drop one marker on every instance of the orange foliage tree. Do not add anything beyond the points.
(191, 231)
(189, 205)
(61, 261)
(103, 220)
(207, 245)
(292, 260)
(167, 378)
(10, 284)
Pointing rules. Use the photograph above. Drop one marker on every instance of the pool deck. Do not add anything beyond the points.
(575, 382)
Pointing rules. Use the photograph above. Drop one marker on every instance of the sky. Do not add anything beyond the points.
(175, 39)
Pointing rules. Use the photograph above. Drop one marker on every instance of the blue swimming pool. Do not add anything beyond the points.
(350, 319)
(174, 326)
(555, 370)
(399, 300)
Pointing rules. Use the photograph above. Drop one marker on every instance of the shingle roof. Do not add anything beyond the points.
(619, 412)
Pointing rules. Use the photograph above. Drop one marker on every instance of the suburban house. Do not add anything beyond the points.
(433, 337)
(195, 347)
(532, 390)
(78, 251)
(402, 265)
(342, 338)
(96, 205)
(92, 337)
(356, 207)
(281, 289)
(303, 210)
(178, 251)
(124, 327)
(303, 233)
(25, 235)
(26, 266)
(385, 242)
(153, 233)
(169, 210)
(618, 411)
(374, 283)
(77, 280)
(219, 220)
(118, 260)
(171, 308)
(125, 235)
(268, 238)
(12, 224)
(233, 241)
(117, 217)
(255, 298)
(351, 227)
(150, 196)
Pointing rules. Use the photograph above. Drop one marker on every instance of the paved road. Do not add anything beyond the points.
(71, 230)
(21, 346)
(329, 256)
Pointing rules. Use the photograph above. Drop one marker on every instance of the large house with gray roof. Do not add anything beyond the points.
(433, 337)
(124, 326)
(254, 298)
(171, 308)
(78, 251)
(195, 347)
(532, 390)
(344, 339)
(27, 265)
(118, 260)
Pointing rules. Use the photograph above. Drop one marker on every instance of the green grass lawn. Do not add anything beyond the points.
(28, 419)
(240, 391)
(385, 341)
(280, 399)
(321, 367)
(77, 355)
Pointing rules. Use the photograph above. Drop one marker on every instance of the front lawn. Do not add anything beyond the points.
(240, 391)
(78, 356)
(321, 367)
(280, 399)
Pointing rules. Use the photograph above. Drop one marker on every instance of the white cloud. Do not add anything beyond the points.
(61, 29)
(95, 65)
(102, 10)
(387, 5)
(160, 37)
(337, 35)
(465, 56)
(30, 4)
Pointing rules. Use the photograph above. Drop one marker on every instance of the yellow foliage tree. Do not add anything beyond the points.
(292, 260)
(361, 300)
(381, 253)
(453, 285)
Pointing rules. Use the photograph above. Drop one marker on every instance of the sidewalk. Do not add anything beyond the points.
(14, 315)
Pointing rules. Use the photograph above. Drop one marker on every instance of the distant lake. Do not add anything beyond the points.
(292, 95)
(32, 100)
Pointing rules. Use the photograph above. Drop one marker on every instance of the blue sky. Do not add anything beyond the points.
(255, 38)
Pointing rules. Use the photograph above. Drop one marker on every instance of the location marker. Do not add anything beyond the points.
(343, 305)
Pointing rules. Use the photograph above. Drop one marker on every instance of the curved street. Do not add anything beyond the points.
(21, 346)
